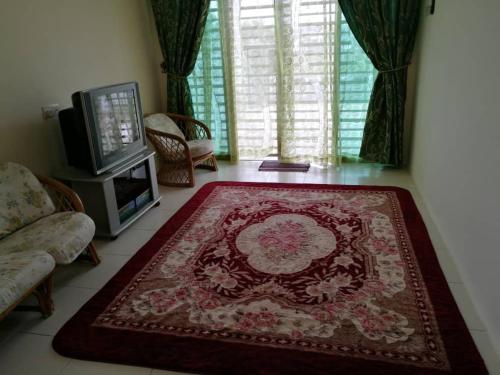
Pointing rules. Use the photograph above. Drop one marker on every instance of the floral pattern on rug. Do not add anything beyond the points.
(324, 270)
(285, 243)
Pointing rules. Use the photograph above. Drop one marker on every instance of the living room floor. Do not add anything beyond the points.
(25, 337)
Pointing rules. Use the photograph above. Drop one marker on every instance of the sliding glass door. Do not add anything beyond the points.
(300, 84)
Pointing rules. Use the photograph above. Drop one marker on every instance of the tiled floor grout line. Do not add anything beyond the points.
(477, 330)
(78, 287)
(141, 229)
(65, 366)
(113, 253)
(34, 333)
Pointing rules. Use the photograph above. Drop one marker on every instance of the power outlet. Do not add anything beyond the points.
(50, 111)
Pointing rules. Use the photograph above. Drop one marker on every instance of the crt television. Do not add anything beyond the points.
(104, 128)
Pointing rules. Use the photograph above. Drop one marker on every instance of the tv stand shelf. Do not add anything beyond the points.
(117, 198)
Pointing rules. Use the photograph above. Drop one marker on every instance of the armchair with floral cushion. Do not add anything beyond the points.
(42, 224)
(182, 144)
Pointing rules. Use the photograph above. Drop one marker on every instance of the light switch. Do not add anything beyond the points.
(50, 111)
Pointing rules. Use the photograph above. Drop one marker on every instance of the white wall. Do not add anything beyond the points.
(52, 48)
(455, 160)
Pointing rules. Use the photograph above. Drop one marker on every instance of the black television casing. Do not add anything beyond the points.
(76, 142)
(80, 131)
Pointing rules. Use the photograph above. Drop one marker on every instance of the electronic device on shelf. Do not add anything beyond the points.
(104, 127)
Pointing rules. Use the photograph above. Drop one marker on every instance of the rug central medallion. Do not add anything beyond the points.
(325, 270)
(285, 243)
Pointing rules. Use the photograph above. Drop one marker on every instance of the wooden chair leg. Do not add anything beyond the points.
(92, 252)
(214, 163)
(43, 293)
(191, 176)
(210, 163)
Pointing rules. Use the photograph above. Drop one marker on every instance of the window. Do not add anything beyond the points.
(207, 84)
(357, 75)
(289, 59)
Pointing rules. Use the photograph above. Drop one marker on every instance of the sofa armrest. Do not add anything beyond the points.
(65, 199)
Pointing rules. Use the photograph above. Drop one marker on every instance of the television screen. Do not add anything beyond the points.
(117, 120)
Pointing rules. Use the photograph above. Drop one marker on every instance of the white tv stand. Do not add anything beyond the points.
(117, 198)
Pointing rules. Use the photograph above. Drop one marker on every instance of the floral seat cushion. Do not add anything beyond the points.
(22, 198)
(19, 272)
(63, 235)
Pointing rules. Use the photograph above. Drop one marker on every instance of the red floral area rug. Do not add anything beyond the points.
(251, 278)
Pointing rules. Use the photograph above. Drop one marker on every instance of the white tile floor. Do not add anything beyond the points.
(25, 338)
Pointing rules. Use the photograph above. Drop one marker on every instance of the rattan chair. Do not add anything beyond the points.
(182, 144)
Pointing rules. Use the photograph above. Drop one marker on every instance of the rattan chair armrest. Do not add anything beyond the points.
(64, 197)
(153, 133)
(205, 129)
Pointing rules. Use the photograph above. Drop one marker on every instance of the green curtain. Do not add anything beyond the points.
(207, 85)
(356, 77)
(386, 31)
(180, 25)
